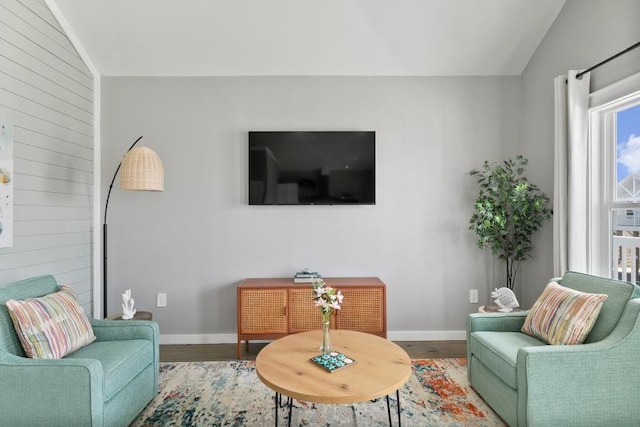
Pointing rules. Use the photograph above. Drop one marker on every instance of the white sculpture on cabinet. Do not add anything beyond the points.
(127, 305)
(505, 299)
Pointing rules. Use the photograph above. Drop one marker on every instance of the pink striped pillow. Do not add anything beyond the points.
(563, 315)
(51, 326)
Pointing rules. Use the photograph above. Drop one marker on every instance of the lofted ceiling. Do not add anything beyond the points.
(309, 37)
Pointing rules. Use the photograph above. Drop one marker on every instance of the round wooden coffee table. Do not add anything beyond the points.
(381, 368)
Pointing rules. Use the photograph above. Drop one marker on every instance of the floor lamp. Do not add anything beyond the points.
(142, 170)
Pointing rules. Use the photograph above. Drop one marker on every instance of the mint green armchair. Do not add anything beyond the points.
(530, 383)
(106, 383)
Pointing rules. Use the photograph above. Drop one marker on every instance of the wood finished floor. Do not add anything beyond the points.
(221, 352)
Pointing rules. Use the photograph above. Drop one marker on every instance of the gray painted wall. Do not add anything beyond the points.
(585, 33)
(46, 91)
(196, 240)
(199, 238)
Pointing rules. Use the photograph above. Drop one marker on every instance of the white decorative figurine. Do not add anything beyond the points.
(127, 305)
(505, 299)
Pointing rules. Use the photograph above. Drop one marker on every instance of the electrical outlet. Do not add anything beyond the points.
(473, 296)
(161, 300)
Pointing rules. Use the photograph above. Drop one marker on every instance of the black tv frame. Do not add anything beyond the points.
(323, 186)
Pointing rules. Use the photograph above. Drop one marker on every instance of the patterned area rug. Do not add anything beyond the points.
(230, 394)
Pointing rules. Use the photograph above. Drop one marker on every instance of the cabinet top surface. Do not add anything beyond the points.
(381, 367)
(331, 281)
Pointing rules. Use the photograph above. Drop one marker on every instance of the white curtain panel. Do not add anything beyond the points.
(570, 195)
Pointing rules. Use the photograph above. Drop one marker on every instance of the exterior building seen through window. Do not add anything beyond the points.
(625, 211)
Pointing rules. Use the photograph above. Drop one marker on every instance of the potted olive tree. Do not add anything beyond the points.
(507, 211)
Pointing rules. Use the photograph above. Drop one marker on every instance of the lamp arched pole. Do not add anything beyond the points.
(104, 237)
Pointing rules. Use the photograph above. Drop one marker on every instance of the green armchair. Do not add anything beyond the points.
(106, 383)
(530, 383)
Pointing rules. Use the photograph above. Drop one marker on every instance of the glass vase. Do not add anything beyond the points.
(326, 339)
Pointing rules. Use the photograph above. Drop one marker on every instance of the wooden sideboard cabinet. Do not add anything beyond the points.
(273, 308)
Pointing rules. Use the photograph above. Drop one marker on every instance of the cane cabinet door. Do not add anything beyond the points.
(303, 314)
(363, 309)
(263, 311)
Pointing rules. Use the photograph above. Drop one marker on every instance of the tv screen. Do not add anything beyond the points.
(312, 168)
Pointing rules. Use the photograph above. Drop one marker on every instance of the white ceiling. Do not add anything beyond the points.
(309, 37)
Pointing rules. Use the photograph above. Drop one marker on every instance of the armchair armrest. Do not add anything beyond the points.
(599, 380)
(115, 330)
(499, 322)
(51, 392)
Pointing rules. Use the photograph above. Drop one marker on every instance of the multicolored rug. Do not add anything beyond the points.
(230, 394)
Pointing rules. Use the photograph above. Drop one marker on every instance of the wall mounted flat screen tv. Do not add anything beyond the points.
(312, 168)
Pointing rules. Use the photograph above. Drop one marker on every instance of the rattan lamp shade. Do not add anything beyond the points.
(142, 170)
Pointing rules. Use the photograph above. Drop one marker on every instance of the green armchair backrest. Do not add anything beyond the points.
(29, 288)
(619, 294)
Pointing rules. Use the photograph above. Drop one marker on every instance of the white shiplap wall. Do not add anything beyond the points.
(46, 91)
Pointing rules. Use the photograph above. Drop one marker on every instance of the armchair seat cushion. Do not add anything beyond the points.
(121, 361)
(498, 351)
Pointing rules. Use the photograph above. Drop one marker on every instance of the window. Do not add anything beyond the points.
(625, 213)
(615, 188)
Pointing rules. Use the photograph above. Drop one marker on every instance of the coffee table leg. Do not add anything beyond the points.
(389, 410)
(398, 399)
(276, 406)
(277, 399)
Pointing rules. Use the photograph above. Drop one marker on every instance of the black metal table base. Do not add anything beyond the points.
(289, 405)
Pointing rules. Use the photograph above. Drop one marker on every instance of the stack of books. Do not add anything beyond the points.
(306, 276)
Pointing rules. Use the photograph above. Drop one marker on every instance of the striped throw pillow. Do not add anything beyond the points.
(563, 315)
(51, 326)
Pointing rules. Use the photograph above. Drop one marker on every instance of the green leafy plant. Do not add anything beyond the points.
(508, 211)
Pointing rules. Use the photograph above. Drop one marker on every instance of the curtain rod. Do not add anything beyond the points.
(630, 48)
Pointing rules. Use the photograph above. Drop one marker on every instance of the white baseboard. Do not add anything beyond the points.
(198, 339)
(392, 335)
(427, 335)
